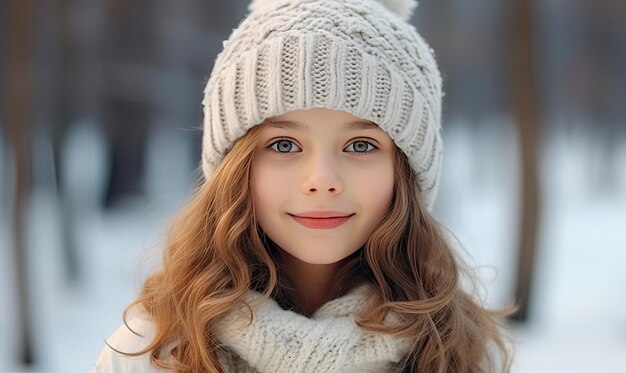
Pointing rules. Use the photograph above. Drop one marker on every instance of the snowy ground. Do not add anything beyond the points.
(579, 310)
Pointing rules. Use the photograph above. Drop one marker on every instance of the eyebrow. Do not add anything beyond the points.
(288, 124)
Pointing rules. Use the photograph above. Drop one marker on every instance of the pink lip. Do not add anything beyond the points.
(321, 219)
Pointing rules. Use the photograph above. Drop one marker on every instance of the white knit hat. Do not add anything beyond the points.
(358, 56)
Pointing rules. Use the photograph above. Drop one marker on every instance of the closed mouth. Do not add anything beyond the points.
(328, 222)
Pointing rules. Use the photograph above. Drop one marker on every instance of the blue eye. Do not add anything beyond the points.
(361, 146)
(284, 146)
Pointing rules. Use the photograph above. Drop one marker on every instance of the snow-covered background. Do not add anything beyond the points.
(578, 314)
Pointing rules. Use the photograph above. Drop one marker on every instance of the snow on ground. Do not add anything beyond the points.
(578, 313)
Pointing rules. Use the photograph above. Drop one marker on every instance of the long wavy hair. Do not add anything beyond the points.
(216, 251)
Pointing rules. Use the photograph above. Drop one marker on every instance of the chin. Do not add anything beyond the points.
(321, 259)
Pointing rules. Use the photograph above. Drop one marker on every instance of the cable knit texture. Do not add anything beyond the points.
(358, 56)
(275, 340)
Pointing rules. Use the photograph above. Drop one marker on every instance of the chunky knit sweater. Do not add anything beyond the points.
(276, 341)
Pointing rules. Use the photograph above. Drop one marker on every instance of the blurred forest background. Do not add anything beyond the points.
(100, 126)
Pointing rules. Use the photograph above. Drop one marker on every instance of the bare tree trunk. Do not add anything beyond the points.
(62, 119)
(525, 111)
(18, 84)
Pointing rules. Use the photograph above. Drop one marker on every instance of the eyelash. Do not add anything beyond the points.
(373, 147)
(273, 146)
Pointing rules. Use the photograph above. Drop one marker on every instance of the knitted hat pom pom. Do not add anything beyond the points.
(403, 8)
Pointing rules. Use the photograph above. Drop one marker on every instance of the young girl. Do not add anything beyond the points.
(310, 246)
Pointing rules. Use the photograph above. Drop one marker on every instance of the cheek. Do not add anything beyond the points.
(384, 203)
(265, 179)
(259, 185)
(267, 185)
(379, 176)
(381, 185)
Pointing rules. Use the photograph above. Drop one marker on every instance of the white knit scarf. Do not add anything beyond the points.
(276, 340)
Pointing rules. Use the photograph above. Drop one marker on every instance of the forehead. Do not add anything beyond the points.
(300, 120)
(300, 126)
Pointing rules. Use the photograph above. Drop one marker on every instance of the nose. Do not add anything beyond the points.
(322, 176)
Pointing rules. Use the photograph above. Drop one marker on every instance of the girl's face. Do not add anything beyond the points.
(321, 181)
